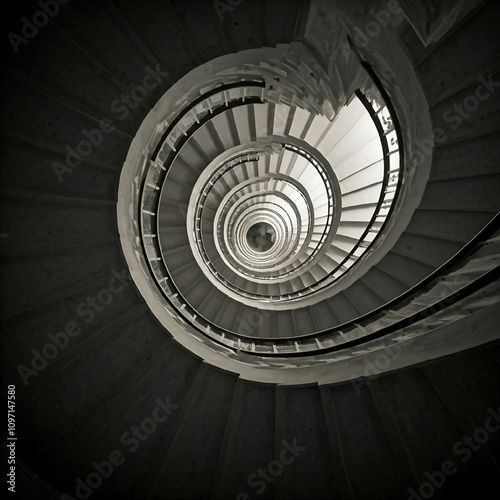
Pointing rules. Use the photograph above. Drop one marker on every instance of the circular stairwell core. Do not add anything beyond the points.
(246, 202)
(261, 236)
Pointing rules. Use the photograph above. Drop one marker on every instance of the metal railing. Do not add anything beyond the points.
(179, 131)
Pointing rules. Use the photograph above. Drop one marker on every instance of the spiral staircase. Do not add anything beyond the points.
(287, 245)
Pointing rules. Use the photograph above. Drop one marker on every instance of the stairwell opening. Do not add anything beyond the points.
(253, 197)
(261, 236)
